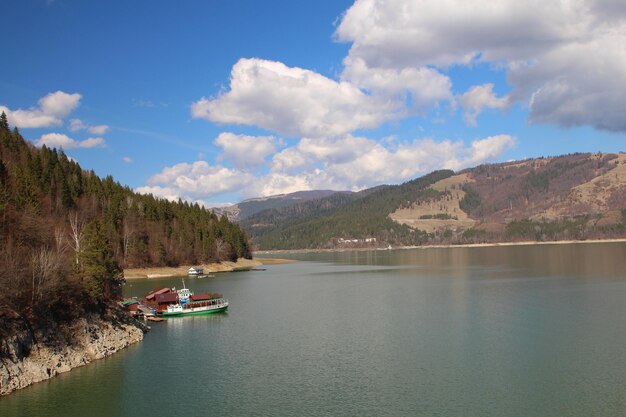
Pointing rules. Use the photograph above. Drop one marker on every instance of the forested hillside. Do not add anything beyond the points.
(241, 211)
(578, 196)
(66, 234)
(361, 216)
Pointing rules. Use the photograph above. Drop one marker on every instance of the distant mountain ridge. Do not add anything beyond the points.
(577, 196)
(251, 206)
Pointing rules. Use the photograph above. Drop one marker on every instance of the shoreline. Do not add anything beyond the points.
(32, 356)
(447, 246)
(212, 268)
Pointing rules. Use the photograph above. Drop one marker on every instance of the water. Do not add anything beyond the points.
(508, 331)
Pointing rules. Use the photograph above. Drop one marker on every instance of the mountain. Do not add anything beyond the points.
(577, 196)
(247, 208)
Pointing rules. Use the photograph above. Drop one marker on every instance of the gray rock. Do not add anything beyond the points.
(60, 349)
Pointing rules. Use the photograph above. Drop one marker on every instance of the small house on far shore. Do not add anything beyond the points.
(195, 270)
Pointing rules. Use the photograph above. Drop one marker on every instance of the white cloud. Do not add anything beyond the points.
(292, 101)
(427, 86)
(77, 124)
(127, 159)
(310, 152)
(345, 163)
(486, 150)
(59, 140)
(245, 151)
(566, 59)
(410, 33)
(478, 98)
(198, 180)
(92, 143)
(56, 140)
(52, 109)
(158, 191)
(279, 183)
(372, 163)
(99, 129)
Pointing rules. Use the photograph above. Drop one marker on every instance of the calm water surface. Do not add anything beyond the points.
(509, 331)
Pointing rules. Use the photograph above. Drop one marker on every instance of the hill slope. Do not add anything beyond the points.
(240, 212)
(65, 233)
(578, 196)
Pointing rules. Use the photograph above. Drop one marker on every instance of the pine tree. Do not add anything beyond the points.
(102, 275)
(4, 123)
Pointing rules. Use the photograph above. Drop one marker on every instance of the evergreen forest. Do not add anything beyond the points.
(66, 234)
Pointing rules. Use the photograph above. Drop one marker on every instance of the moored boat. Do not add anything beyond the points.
(195, 308)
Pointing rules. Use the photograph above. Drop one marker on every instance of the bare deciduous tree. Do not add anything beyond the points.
(77, 234)
(220, 248)
(44, 263)
(60, 239)
(127, 239)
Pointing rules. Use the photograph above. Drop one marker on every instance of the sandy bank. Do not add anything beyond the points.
(240, 265)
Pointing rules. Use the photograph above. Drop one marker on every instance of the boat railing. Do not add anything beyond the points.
(218, 303)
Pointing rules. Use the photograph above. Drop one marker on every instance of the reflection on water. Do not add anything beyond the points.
(503, 331)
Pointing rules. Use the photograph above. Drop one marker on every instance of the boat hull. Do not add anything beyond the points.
(193, 312)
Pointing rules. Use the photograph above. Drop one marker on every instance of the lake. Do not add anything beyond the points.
(498, 331)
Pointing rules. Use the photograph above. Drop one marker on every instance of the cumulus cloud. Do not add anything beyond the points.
(427, 86)
(566, 59)
(159, 191)
(50, 112)
(59, 140)
(309, 152)
(377, 164)
(77, 124)
(245, 151)
(196, 181)
(99, 129)
(344, 163)
(292, 101)
(334, 164)
(478, 98)
(410, 33)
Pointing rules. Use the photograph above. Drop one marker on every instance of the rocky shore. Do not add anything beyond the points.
(28, 356)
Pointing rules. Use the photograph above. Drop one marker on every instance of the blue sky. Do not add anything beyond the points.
(216, 101)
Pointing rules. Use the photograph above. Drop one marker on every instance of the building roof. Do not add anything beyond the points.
(129, 301)
(200, 297)
(169, 297)
(153, 293)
